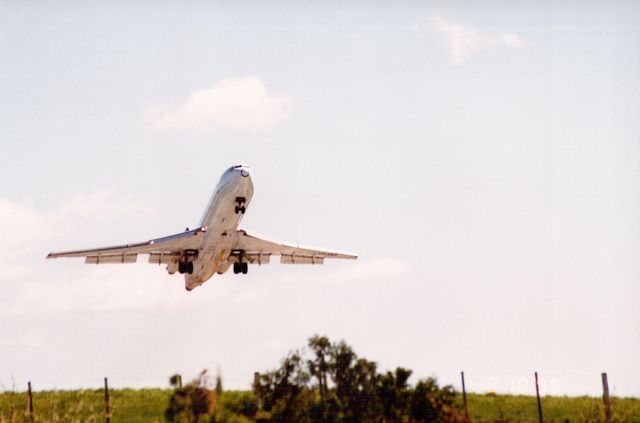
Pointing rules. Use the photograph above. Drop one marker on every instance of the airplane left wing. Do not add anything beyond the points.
(254, 246)
(160, 249)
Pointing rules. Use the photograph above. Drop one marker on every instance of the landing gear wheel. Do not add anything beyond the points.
(236, 268)
(182, 267)
(244, 267)
(190, 267)
(240, 205)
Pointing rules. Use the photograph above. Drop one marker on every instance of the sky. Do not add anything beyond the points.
(482, 158)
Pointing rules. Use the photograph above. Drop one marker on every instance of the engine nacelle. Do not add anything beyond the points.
(223, 267)
(172, 267)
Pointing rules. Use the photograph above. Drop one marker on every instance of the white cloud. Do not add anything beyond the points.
(233, 103)
(340, 272)
(464, 39)
(104, 288)
(377, 268)
(21, 226)
(24, 229)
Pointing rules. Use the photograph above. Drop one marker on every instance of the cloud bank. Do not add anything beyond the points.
(233, 103)
(464, 39)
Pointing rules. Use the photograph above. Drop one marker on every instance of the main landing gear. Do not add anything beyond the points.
(242, 267)
(185, 267)
(240, 208)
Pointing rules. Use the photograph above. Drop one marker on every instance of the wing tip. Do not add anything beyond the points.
(347, 255)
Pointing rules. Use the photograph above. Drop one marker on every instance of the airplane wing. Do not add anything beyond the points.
(160, 250)
(258, 250)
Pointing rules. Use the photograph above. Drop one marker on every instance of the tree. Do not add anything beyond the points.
(284, 393)
(193, 403)
(335, 385)
(430, 403)
(393, 392)
(319, 369)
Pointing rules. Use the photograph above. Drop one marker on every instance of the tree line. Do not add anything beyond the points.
(328, 382)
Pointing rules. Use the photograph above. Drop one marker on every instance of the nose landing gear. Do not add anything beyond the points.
(240, 208)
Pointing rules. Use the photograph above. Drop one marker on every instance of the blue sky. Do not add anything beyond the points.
(482, 158)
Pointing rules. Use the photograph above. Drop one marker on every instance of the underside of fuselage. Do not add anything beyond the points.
(226, 208)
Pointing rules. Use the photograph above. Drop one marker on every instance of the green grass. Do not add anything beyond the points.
(520, 408)
(148, 405)
(127, 405)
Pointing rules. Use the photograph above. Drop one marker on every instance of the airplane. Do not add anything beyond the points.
(216, 244)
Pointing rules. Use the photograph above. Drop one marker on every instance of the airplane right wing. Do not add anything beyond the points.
(160, 250)
(258, 249)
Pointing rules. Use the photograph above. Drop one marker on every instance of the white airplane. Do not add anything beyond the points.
(216, 244)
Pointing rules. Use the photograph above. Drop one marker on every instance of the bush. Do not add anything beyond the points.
(194, 403)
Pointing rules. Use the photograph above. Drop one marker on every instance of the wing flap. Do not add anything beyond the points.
(250, 257)
(163, 258)
(112, 258)
(300, 259)
(258, 258)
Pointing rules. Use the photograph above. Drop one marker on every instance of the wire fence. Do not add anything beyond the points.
(148, 404)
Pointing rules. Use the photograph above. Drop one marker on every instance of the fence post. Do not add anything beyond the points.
(464, 396)
(30, 403)
(607, 400)
(107, 411)
(538, 398)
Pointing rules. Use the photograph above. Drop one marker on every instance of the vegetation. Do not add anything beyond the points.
(130, 405)
(328, 383)
(335, 385)
(521, 408)
(149, 405)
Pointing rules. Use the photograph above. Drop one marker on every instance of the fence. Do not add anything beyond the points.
(31, 410)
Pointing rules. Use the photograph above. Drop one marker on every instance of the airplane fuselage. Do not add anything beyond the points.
(221, 218)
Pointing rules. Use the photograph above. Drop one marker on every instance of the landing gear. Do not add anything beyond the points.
(241, 268)
(185, 267)
(240, 208)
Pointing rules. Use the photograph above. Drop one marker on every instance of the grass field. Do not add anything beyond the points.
(490, 407)
(148, 405)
